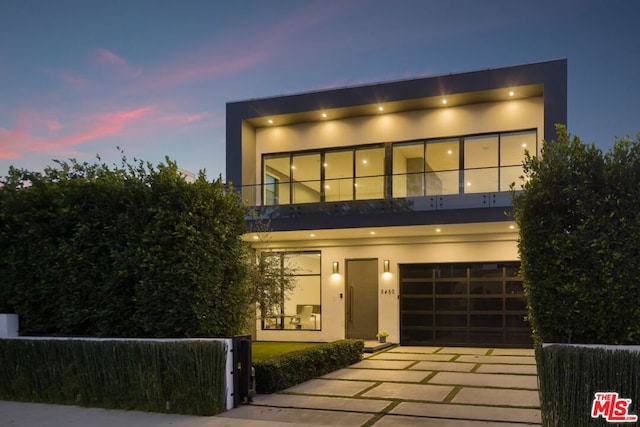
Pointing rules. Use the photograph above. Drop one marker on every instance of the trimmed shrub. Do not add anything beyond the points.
(177, 377)
(279, 372)
(579, 241)
(122, 251)
(570, 376)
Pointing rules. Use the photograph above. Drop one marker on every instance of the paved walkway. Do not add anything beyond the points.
(402, 386)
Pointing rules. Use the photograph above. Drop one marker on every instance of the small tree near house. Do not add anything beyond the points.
(270, 277)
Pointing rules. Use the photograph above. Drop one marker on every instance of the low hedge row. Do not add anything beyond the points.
(178, 377)
(570, 376)
(279, 372)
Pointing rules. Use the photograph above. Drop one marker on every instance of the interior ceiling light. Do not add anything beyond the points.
(438, 230)
(312, 235)
(324, 115)
(270, 121)
(444, 101)
(373, 233)
(511, 93)
(255, 237)
(511, 227)
(380, 108)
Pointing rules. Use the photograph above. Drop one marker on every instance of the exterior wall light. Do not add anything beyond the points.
(336, 267)
(385, 265)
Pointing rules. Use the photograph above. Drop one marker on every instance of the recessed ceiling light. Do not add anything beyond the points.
(372, 233)
(324, 115)
(511, 93)
(325, 164)
(469, 184)
(511, 227)
(293, 166)
(444, 101)
(380, 108)
(326, 186)
(449, 152)
(438, 230)
(524, 144)
(255, 237)
(270, 121)
(364, 161)
(312, 235)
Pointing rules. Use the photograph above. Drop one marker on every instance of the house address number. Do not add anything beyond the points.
(387, 291)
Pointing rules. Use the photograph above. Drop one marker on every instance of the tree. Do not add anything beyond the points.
(579, 241)
(270, 276)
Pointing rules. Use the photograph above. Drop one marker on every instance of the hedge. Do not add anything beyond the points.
(121, 251)
(283, 371)
(569, 377)
(177, 377)
(579, 241)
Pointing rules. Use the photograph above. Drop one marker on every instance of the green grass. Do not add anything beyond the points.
(261, 350)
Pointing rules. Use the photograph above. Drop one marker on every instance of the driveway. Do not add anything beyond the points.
(402, 386)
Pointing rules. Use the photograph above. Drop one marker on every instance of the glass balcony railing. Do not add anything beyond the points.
(431, 190)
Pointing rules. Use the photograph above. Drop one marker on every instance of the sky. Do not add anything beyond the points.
(80, 78)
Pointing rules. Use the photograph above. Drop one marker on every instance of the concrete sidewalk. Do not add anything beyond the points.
(402, 386)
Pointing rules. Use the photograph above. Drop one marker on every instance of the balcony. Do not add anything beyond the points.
(399, 195)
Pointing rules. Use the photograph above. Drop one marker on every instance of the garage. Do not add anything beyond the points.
(465, 304)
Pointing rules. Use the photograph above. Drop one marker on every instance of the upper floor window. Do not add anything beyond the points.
(355, 173)
(445, 166)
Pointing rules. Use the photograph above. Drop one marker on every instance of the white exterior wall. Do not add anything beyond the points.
(412, 125)
(460, 249)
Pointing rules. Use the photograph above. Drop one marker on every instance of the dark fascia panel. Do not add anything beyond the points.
(449, 216)
(548, 79)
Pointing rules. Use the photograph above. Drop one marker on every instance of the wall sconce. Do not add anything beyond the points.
(385, 265)
(336, 267)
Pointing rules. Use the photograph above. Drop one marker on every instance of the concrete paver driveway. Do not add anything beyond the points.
(402, 386)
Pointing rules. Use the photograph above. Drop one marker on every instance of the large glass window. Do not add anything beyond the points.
(369, 173)
(277, 178)
(442, 167)
(298, 308)
(408, 169)
(305, 170)
(338, 176)
(481, 164)
(512, 149)
(471, 164)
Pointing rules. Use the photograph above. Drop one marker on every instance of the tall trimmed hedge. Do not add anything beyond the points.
(570, 377)
(580, 241)
(121, 251)
(185, 377)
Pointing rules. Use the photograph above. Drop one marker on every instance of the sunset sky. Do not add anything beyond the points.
(81, 77)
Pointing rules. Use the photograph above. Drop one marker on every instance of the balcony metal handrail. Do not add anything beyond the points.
(254, 194)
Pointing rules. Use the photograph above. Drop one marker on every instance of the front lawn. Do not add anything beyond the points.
(261, 350)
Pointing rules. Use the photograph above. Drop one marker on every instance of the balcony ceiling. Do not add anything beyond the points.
(380, 235)
(453, 100)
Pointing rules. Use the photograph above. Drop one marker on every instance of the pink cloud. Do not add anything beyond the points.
(101, 126)
(104, 56)
(24, 138)
(53, 125)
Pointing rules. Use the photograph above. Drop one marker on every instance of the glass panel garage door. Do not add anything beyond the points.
(474, 304)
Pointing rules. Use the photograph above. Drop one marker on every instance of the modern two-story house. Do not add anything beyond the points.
(393, 202)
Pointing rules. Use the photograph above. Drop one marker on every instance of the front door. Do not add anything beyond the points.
(362, 298)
